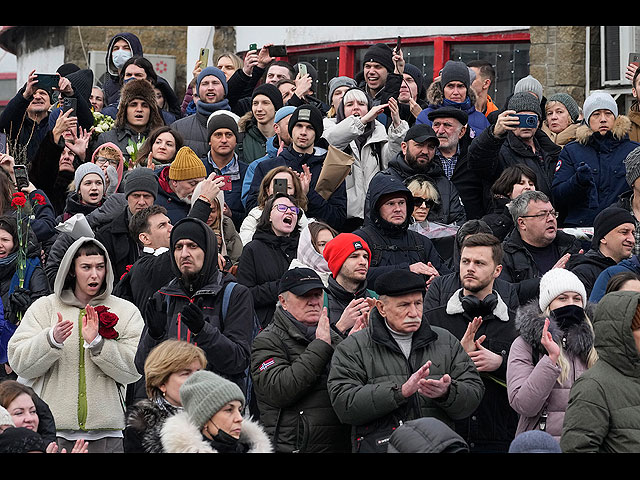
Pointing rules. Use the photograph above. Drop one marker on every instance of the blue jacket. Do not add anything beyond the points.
(272, 152)
(231, 197)
(590, 173)
(332, 211)
(627, 265)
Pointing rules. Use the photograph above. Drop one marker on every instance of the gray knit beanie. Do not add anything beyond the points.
(524, 102)
(141, 179)
(632, 165)
(568, 101)
(204, 393)
(599, 101)
(337, 82)
(455, 71)
(529, 84)
(84, 170)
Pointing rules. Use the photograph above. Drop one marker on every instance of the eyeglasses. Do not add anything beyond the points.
(103, 161)
(553, 213)
(281, 207)
(418, 201)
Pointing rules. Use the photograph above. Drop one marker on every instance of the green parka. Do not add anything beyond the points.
(369, 368)
(603, 414)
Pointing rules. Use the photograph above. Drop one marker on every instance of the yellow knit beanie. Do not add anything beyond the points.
(186, 166)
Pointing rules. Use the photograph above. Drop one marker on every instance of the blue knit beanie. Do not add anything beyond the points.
(216, 72)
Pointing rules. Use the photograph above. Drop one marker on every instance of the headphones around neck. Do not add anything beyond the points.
(476, 307)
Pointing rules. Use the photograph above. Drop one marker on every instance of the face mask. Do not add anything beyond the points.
(120, 57)
(568, 315)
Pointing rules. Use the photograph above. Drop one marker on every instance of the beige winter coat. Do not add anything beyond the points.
(84, 387)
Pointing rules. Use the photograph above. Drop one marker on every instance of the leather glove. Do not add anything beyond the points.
(20, 300)
(193, 316)
(155, 317)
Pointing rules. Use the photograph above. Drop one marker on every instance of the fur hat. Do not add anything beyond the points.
(557, 281)
(138, 89)
(186, 166)
(204, 393)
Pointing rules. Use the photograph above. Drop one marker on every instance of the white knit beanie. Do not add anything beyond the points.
(599, 101)
(557, 281)
(5, 417)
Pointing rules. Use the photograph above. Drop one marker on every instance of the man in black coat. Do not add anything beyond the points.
(190, 306)
(141, 190)
(535, 245)
(613, 241)
(483, 320)
(386, 231)
(505, 143)
(418, 157)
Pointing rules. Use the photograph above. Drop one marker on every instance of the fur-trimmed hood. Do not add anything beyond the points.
(621, 129)
(180, 435)
(530, 323)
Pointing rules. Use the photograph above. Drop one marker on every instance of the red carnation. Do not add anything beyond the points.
(18, 200)
(40, 199)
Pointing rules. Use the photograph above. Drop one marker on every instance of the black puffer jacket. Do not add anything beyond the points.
(289, 371)
(262, 263)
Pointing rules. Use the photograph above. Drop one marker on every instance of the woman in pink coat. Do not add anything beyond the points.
(554, 347)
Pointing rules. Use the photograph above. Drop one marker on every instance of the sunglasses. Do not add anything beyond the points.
(283, 208)
(418, 201)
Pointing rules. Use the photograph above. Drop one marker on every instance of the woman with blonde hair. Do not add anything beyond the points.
(166, 368)
(554, 347)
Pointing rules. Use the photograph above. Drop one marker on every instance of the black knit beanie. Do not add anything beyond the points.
(380, 53)
(271, 92)
(455, 72)
(607, 220)
(189, 229)
(307, 113)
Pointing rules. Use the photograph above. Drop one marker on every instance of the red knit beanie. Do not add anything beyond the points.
(340, 247)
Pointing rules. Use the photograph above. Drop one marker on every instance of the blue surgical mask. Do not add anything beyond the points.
(120, 57)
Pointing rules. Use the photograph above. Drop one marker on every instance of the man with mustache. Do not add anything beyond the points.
(400, 368)
(289, 365)
(480, 313)
(189, 306)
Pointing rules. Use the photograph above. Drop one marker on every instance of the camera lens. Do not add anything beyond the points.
(532, 121)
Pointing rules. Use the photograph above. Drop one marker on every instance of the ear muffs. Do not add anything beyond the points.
(476, 307)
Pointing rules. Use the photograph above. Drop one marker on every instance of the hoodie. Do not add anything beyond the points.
(394, 246)
(83, 386)
(111, 85)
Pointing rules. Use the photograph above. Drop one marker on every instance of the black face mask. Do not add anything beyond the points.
(568, 315)
(225, 443)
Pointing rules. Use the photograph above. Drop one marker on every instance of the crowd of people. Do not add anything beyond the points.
(404, 266)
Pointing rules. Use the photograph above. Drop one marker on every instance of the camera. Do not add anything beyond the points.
(528, 120)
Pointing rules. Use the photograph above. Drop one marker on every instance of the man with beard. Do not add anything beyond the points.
(418, 157)
(189, 306)
(483, 320)
(347, 298)
(535, 245)
(451, 127)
